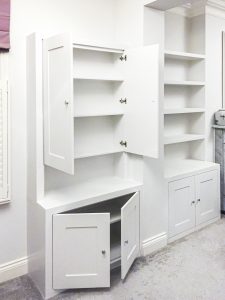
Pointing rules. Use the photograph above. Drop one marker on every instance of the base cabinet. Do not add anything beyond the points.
(193, 201)
(89, 241)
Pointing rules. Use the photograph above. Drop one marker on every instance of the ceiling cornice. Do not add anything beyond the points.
(219, 4)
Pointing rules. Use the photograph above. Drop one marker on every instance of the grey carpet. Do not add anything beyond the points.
(190, 269)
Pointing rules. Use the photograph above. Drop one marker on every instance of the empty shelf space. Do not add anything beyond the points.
(184, 83)
(168, 140)
(92, 154)
(172, 111)
(102, 114)
(98, 77)
(115, 242)
(178, 167)
(89, 192)
(184, 55)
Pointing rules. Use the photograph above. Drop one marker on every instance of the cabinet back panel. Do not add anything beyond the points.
(188, 150)
(92, 97)
(184, 97)
(85, 169)
(94, 63)
(97, 135)
(184, 123)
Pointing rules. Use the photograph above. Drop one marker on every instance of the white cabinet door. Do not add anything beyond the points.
(207, 193)
(58, 103)
(141, 88)
(129, 234)
(181, 205)
(81, 251)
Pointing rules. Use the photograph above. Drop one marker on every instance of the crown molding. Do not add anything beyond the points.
(218, 4)
(216, 8)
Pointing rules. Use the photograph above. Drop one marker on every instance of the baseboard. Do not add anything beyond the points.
(13, 269)
(154, 243)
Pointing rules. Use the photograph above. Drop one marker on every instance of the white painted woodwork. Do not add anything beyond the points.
(165, 5)
(207, 197)
(129, 234)
(4, 146)
(181, 205)
(174, 111)
(58, 103)
(182, 138)
(184, 82)
(142, 93)
(183, 55)
(81, 251)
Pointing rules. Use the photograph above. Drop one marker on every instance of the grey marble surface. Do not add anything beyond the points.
(190, 269)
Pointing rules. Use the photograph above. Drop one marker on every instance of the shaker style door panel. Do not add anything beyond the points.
(141, 88)
(207, 197)
(181, 205)
(81, 251)
(58, 103)
(129, 234)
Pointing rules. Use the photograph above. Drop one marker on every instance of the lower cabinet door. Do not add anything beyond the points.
(208, 199)
(181, 205)
(81, 250)
(130, 240)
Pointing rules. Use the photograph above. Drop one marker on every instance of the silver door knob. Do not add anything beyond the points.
(103, 252)
(126, 242)
(193, 202)
(66, 102)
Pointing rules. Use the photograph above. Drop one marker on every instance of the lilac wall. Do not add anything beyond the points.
(4, 24)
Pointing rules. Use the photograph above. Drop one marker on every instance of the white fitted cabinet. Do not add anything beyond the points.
(98, 101)
(193, 201)
(88, 240)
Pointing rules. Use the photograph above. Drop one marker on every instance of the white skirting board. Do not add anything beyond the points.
(154, 243)
(13, 269)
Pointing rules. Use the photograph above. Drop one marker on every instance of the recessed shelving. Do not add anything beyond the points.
(168, 140)
(183, 55)
(184, 83)
(173, 111)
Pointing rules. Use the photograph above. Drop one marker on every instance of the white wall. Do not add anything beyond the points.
(51, 16)
(214, 28)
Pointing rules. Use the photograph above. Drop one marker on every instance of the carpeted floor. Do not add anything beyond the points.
(190, 269)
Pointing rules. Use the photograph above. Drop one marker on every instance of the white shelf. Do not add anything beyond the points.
(179, 167)
(168, 140)
(118, 113)
(88, 192)
(172, 111)
(98, 77)
(100, 48)
(184, 55)
(85, 155)
(115, 251)
(184, 82)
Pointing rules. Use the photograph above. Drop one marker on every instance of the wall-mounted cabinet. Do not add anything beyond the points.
(98, 101)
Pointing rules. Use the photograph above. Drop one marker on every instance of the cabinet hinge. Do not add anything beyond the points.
(123, 57)
(123, 143)
(123, 100)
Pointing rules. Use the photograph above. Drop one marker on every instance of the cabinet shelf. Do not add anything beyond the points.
(168, 140)
(184, 55)
(177, 167)
(85, 155)
(184, 83)
(173, 111)
(105, 114)
(114, 78)
(89, 192)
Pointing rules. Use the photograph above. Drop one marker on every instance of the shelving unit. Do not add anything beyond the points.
(184, 91)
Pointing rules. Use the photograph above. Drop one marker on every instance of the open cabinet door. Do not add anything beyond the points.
(141, 84)
(81, 251)
(58, 103)
(130, 239)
